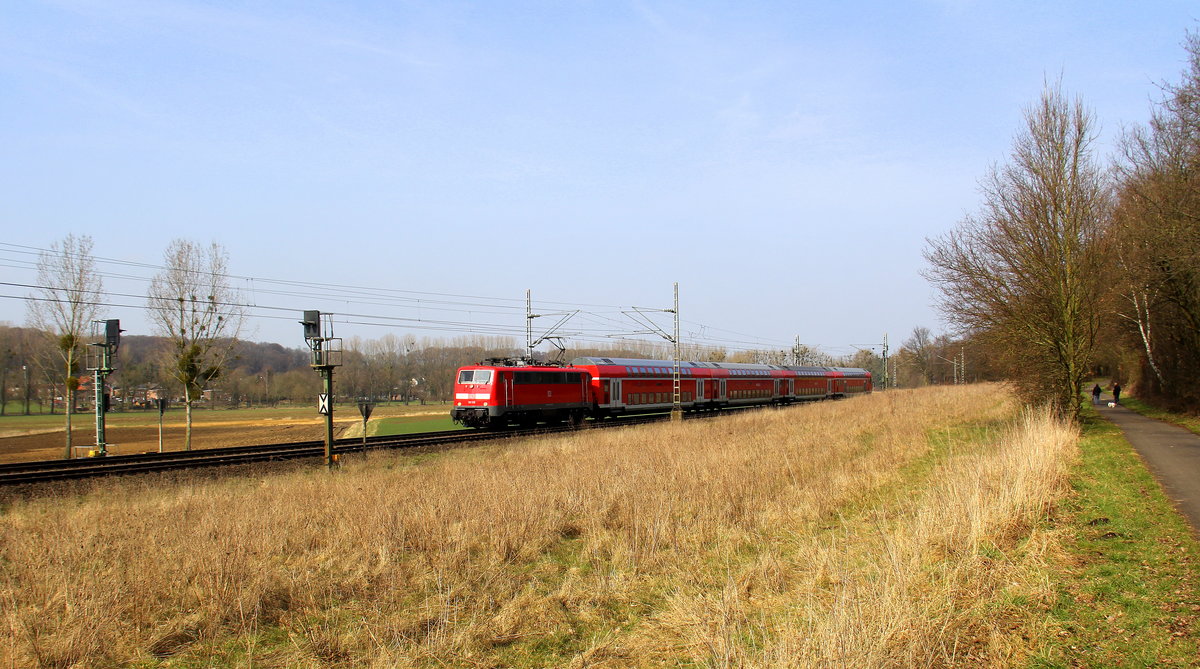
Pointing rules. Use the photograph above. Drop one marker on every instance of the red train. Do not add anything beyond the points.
(499, 393)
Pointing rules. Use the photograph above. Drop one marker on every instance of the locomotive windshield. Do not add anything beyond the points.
(475, 376)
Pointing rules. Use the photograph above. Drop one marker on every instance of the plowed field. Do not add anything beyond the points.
(43, 438)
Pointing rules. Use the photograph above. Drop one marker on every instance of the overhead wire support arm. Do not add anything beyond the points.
(530, 342)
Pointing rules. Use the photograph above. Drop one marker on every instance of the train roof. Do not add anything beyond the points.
(639, 362)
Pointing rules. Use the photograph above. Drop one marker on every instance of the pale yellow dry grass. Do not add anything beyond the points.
(806, 537)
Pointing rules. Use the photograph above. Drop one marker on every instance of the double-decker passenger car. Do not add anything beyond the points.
(499, 393)
(625, 385)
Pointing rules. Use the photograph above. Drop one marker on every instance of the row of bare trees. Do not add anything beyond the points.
(1156, 241)
(190, 302)
(1070, 262)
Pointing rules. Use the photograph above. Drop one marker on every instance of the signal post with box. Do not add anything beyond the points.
(326, 354)
(106, 354)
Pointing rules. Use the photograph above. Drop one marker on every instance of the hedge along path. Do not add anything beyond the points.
(716, 543)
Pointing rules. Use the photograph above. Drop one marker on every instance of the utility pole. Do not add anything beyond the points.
(638, 314)
(954, 365)
(326, 354)
(885, 361)
(529, 316)
(160, 403)
(676, 405)
(25, 368)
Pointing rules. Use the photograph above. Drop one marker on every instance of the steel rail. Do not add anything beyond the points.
(45, 471)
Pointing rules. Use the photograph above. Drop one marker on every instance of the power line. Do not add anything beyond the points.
(604, 325)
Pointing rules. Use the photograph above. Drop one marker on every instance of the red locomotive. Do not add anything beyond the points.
(499, 392)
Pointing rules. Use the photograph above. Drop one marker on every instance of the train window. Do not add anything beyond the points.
(475, 376)
(543, 378)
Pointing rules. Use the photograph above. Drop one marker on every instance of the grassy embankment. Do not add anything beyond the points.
(905, 528)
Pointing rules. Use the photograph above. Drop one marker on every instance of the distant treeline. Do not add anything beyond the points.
(390, 368)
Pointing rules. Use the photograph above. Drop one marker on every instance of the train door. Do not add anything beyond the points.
(508, 389)
(721, 391)
(614, 397)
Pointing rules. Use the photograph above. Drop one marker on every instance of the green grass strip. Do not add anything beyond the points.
(1129, 583)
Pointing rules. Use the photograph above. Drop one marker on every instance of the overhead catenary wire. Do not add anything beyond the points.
(600, 323)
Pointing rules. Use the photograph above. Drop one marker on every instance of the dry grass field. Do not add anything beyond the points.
(898, 529)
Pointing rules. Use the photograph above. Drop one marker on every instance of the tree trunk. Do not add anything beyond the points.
(187, 432)
(69, 398)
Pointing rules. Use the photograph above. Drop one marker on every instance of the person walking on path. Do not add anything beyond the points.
(1117, 393)
(1096, 394)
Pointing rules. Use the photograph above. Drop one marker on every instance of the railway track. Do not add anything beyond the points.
(47, 471)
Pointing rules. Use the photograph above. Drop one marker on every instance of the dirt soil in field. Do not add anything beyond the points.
(130, 440)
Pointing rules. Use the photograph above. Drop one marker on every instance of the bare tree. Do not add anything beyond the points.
(63, 305)
(920, 344)
(192, 304)
(1027, 272)
(8, 358)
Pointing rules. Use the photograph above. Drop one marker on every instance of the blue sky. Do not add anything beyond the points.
(784, 162)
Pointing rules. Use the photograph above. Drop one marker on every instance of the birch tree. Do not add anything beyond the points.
(193, 305)
(1159, 237)
(63, 305)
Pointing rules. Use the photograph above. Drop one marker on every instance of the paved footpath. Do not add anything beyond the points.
(1171, 452)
